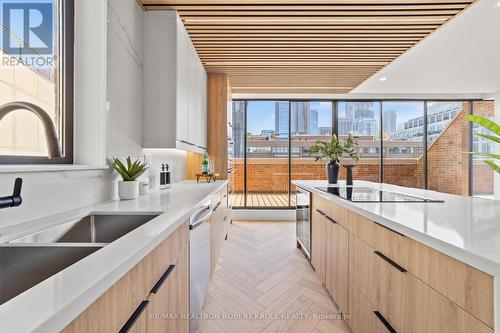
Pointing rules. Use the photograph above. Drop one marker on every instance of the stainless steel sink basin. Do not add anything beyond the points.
(90, 229)
(23, 266)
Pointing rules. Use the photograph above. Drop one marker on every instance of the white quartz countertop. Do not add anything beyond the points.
(55, 302)
(465, 228)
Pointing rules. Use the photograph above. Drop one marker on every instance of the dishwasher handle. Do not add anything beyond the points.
(195, 221)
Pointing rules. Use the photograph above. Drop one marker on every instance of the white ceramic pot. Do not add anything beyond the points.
(128, 190)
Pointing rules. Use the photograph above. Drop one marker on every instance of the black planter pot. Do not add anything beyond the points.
(333, 170)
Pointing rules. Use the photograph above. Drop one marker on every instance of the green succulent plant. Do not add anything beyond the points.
(131, 171)
(495, 137)
(334, 149)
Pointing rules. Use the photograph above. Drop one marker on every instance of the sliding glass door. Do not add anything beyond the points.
(362, 120)
(403, 143)
(267, 160)
(310, 121)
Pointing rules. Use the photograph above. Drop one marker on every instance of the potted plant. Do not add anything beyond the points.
(333, 151)
(128, 187)
(494, 128)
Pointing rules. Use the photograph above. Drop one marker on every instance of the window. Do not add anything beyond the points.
(362, 119)
(311, 121)
(266, 172)
(403, 143)
(446, 163)
(396, 145)
(482, 174)
(37, 68)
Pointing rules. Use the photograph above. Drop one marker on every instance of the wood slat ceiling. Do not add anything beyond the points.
(301, 46)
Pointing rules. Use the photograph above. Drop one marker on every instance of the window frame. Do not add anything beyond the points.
(67, 96)
(380, 147)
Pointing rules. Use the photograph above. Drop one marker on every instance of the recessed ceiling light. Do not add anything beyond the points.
(497, 4)
(383, 79)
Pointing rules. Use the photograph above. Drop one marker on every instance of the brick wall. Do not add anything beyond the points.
(271, 175)
(448, 166)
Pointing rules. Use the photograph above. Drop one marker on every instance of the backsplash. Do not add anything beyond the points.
(49, 193)
(176, 159)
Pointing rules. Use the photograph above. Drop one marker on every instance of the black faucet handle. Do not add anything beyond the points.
(17, 187)
(15, 199)
(16, 195)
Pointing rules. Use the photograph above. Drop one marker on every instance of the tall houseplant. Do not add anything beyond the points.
(333, 150)
(128, 187)
(494, 128)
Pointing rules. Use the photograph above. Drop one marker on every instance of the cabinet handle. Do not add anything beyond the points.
(162, 280)
(137, 313)
(385, 322)
(216, 206)
(390, 262)
(383, 226)
(330, 219)
(321, 213)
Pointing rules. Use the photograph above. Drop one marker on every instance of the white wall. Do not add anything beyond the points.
(176, 159)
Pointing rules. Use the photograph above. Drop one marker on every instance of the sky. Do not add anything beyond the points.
(261, 114)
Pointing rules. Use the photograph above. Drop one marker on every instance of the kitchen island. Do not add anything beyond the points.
(411, 266)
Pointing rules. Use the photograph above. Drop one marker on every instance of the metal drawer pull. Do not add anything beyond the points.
(383, 226)
(390, 262)
(193, 223)
(330, 219)
(385, 322)
(162, 280)
(137, 313)
(320, 212)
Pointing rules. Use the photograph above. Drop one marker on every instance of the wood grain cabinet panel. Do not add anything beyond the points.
(337, 264)
(407, 303)
(318, 249)
(466, 286)
(112, 310)
(169, 305)
(362, 318)
(332, 210)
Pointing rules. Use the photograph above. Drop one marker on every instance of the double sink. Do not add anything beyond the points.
(29, 260)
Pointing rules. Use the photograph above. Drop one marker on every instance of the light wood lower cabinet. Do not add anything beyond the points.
(362, 317)
(168, 302)
(408, 304)
(218, 226)
(318, 249)
(464, 285)
(337, 264)
(384, 281)
(330, 256)
(119, 305)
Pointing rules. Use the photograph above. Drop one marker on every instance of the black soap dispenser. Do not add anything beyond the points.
(165, 179)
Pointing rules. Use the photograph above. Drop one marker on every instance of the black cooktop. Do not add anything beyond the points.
(368, 194)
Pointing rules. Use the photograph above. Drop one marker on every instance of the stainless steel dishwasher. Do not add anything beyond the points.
(199, 261)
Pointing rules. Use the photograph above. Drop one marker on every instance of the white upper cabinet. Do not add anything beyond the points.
(175, 86)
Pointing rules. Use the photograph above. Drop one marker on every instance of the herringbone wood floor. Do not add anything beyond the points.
(262, 277)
